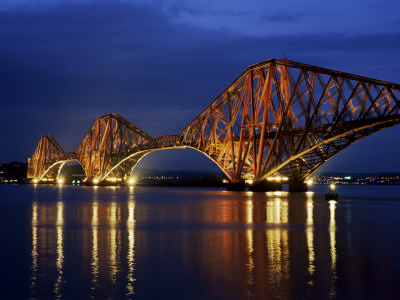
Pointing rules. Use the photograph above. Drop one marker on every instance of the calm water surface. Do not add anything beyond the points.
(164, 243)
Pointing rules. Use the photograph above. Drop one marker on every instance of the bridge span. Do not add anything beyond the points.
(278, 119)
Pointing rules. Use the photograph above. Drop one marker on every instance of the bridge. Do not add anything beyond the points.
(278, 120)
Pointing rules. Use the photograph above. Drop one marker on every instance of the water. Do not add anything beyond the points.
(164, 243)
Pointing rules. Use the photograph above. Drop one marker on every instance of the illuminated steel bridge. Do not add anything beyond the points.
(278, 118)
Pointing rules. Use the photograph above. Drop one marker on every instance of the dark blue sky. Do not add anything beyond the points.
(159, 63)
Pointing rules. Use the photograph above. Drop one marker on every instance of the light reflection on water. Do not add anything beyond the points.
(143, 243)
(60, 248)
(332, 235)
(131, 244)
(95, 244)
(250, 247)
(112, 226)
(34, 253)
(310, 242)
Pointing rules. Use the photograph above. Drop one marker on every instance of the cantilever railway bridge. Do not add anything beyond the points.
(278, 117)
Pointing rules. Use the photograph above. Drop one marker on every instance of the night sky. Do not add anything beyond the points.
(160, 63)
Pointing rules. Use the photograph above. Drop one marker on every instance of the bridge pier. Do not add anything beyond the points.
(297, 186)
(265, 186)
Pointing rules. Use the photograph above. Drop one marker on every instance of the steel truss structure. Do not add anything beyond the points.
(278, 117)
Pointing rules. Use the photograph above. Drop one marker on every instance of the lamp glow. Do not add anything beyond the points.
(278, 178)
(95, 181)
(131, 181)
(332, 186)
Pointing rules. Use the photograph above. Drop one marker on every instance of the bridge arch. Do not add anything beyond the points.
(56, 169)
(135, 158)
(68, 161)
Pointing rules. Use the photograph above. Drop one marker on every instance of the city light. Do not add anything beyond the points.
(131, 181)
(332, 186)
(95, 181)
(35, 180)
(249, 181)
(113, 179)
(278, 178)
(60, 181)
(309, 182)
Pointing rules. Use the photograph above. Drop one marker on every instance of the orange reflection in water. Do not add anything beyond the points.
(277, 211)
(111, 225)
(113, 240)
(34, 252)
(332, 235)
(310, 240)
(247, 236)
(95, 245)
(277, 248)
(60, 250)
(250, 246)
(130, 224)
(47, 222)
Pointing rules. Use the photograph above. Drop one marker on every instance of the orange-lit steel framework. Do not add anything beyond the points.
(278, 117)
(47, 159)
(110, 139)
